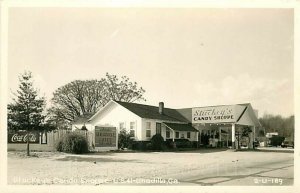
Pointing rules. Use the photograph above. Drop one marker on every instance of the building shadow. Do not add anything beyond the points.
(201, 150)
(96, 160)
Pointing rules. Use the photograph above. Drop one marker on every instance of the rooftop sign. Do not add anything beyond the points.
(217, 114)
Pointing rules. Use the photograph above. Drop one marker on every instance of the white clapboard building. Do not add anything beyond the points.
(218, 123)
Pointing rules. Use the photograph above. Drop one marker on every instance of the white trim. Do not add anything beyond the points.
(112, 101)
(100, 110)
(109, 103)
(168, 127)
(167, 121)
(250, 112)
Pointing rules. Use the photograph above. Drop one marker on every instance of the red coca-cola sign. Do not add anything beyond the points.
(23, 136)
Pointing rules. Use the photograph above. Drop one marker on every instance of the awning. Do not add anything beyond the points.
(180, 127)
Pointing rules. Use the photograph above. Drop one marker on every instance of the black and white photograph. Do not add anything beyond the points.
(136, 96)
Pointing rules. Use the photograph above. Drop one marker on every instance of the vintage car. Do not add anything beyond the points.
(286, 144)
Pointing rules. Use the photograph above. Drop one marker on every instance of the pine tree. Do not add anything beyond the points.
(26, 110)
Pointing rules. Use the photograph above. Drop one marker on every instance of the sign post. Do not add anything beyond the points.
(233, 135)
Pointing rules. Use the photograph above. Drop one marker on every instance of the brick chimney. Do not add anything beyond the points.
(161, 108)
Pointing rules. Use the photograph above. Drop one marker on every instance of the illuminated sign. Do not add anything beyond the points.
(217, 114)
(105, 136)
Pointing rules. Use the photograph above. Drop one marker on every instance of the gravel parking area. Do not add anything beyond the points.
(140, 167)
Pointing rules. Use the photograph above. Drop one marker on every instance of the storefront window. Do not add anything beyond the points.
(167, 133)
(148, 129)
(132, 125)
(122, 125)
(132, 133)
(132, 129)
(148, 133)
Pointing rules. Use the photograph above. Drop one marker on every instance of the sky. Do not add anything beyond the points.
(188, 57)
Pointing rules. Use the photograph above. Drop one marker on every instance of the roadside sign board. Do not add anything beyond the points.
(105, 136)
(22, 137)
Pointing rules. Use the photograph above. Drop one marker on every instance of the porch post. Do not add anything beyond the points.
(200, 132)
(220, 137)
(227, 136)
(253, 137)
(233, 135)
(173, 136)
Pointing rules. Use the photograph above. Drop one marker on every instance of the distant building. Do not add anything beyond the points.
(269, 135)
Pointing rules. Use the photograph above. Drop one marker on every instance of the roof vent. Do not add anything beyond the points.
(161, 108)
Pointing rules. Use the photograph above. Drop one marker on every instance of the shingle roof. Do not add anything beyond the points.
(181, 127)
(152, 112)
(186, 113)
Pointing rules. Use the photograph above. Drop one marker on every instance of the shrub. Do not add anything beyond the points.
(170, 144)
(149, 146)
(139, 145)
(125, 139)
(157, 142)
(183, 143)
(72, 143)
(59, 145)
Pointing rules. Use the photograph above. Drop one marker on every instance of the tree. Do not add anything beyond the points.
(76, 98)
(121, 90)
(26, 110)
(82, 97)
(277, 123)
(289, 126)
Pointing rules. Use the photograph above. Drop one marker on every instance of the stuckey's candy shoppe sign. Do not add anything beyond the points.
(217, 114)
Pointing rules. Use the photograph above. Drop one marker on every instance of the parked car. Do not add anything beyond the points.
(256, 143)
(286, 144)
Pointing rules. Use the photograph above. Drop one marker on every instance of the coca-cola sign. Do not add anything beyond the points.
(23, 136)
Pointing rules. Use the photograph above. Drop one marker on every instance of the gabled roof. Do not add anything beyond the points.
(250, 114)
(172, 115)
(180, 127)
(152, 112)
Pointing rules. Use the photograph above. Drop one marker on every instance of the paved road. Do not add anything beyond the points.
(200, 167)
(276, 172)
